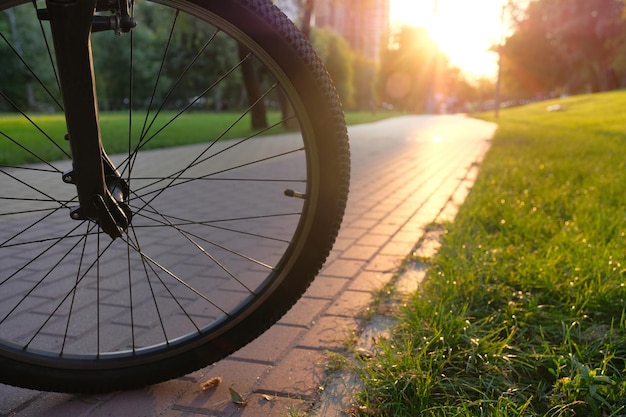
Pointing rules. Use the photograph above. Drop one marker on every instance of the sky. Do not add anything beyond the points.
(464, 29)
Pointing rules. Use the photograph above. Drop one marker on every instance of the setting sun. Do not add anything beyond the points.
(463, 30)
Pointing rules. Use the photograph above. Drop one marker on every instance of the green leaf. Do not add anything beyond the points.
(236, 398)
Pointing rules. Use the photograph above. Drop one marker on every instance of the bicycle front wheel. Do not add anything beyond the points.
(230, 223)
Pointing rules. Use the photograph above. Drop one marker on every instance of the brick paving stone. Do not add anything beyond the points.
(146, 402)
(335, 254)
(384, 263)
(374, 213)
(329, 333)
(342, 268)
(304, 311)
(298, 375)
(353, 232)
(396, 249)
(350, 303)
(59, 405)
(372, 239)
(326, 287)
(385, 229)
(360, 252)
(265, 405)
(342, 244)
(14, 397)
(271, 345)
(370, 281)
(363, 223)
(243, 377)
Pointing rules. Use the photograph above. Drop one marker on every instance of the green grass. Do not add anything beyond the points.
(194, 127)
(522, 313)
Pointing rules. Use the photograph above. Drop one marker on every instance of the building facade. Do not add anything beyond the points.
(363, 23)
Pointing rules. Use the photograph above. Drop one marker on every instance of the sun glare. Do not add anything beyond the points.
(464, 30)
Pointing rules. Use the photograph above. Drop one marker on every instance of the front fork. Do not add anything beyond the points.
(102, 193)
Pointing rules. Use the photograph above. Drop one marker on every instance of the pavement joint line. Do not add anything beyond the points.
(321, 349)
(236, 358)
(281, 394)
(299, 326)
(359, 291)
(320, 298)
(197, 410)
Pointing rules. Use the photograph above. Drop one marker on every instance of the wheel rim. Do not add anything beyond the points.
(187, 269)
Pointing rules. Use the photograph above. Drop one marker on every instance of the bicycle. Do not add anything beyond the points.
(125, 270)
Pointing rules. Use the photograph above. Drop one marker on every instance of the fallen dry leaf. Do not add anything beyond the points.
(213, 382)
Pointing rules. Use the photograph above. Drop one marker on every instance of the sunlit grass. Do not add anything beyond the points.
(522, 313)
(43, 134)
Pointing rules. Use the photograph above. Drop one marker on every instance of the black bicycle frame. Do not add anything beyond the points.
(101, 192)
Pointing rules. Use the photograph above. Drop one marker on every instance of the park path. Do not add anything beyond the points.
(406, 173)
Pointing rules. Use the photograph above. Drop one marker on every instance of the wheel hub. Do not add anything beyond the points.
(113, 214)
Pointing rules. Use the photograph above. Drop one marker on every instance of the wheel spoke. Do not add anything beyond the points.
(56, 265)
(23, 231)
(131, 95)
(158, 77)
(130, 299)
(143, 142)
(67, 295)
(30, 168)
(30, 152)
(169, 273)
(179, 174)
(146, 129)
(173, 179)
(36, 189)
(22, 212)
(145, 267)
(178, 227)
(90, 228)
(190, 237)
(35, 125)
(16, 51)
(48, 50)
(180, 222)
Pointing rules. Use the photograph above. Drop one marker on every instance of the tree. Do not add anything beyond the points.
(568, 45)
(21, 82)
(250, 79)
(412, 70)
(532, 64)
(588, 33)
(210, 53)
(309, 6)
(365, 73)
(338, 57)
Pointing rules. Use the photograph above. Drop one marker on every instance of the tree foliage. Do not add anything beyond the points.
(192, 42)
(565, 46)
(411, 71)
(177, 66)
(20, 30)
(338, 58)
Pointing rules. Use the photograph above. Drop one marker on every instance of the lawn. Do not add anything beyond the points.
(43, 134)
(522, 311)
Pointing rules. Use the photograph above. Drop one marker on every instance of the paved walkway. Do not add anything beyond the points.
(407, 172)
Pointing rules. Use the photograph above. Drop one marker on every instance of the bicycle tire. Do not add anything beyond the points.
(192, 281)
